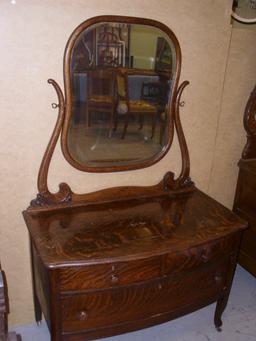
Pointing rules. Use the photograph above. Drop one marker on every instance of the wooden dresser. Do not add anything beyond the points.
(245, 198)
(106, 269)
(127, 257)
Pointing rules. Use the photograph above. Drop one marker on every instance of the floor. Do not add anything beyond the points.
(239, 321)
(93, 146)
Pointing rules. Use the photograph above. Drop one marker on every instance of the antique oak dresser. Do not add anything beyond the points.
(245, 198)
(128, 257)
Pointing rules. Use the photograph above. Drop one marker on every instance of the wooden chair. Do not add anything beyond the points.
(100, 95)
(4, 310)
(129, 107)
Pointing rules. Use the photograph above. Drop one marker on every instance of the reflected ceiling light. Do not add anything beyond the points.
(243, 20)
(252, 4)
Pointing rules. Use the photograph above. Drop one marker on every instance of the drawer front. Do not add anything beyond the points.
(125, 304)
(203, 254)
(125, 273)
(109, 275)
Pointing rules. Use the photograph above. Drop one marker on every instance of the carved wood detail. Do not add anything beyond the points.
(249, 151)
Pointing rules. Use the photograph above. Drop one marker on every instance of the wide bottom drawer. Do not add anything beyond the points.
(123, 304)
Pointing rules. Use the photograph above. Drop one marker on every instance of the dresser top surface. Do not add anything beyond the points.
(128, 229)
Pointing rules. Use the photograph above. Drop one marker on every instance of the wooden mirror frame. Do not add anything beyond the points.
(68, 92)
(169, 185)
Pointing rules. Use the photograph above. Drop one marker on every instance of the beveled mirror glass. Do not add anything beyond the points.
(119, 86)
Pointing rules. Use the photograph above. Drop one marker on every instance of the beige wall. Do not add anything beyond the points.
(33, 36)
(240, 79)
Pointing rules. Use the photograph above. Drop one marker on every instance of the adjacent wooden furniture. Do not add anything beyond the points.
(245, 198)
(128, 257)
(4, 310)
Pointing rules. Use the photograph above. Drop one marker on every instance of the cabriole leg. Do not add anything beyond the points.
(220, 307)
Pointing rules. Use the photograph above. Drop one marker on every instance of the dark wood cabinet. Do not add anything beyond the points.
(245, 198)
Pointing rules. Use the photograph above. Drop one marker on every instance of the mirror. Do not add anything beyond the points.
(121, 84)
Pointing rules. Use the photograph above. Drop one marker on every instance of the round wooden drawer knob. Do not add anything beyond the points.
(114, 278)
(83, 315)
(204, 256)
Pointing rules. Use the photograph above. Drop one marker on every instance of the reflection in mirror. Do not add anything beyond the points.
(121, 80)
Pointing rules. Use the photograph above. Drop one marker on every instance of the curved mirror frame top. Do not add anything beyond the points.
(109, 130)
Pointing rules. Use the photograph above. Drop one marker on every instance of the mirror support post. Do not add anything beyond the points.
(44, 196)
(184, 179)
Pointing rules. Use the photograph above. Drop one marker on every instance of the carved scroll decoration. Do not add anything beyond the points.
(45, 197)
(249, 151)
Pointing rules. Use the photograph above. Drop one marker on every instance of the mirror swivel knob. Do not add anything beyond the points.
(55, 105)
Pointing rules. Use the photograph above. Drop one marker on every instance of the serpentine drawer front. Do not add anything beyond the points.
(124, 273)
(85, 311)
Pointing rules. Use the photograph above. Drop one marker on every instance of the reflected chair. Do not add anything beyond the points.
(129, 107)
(100, 95)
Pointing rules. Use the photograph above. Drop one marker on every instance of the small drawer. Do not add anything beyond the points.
(106, 308)
(109, 275)
(196, 256)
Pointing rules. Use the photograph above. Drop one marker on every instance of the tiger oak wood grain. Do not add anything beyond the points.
(172, 256)
(100, 309)
(131, 229)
